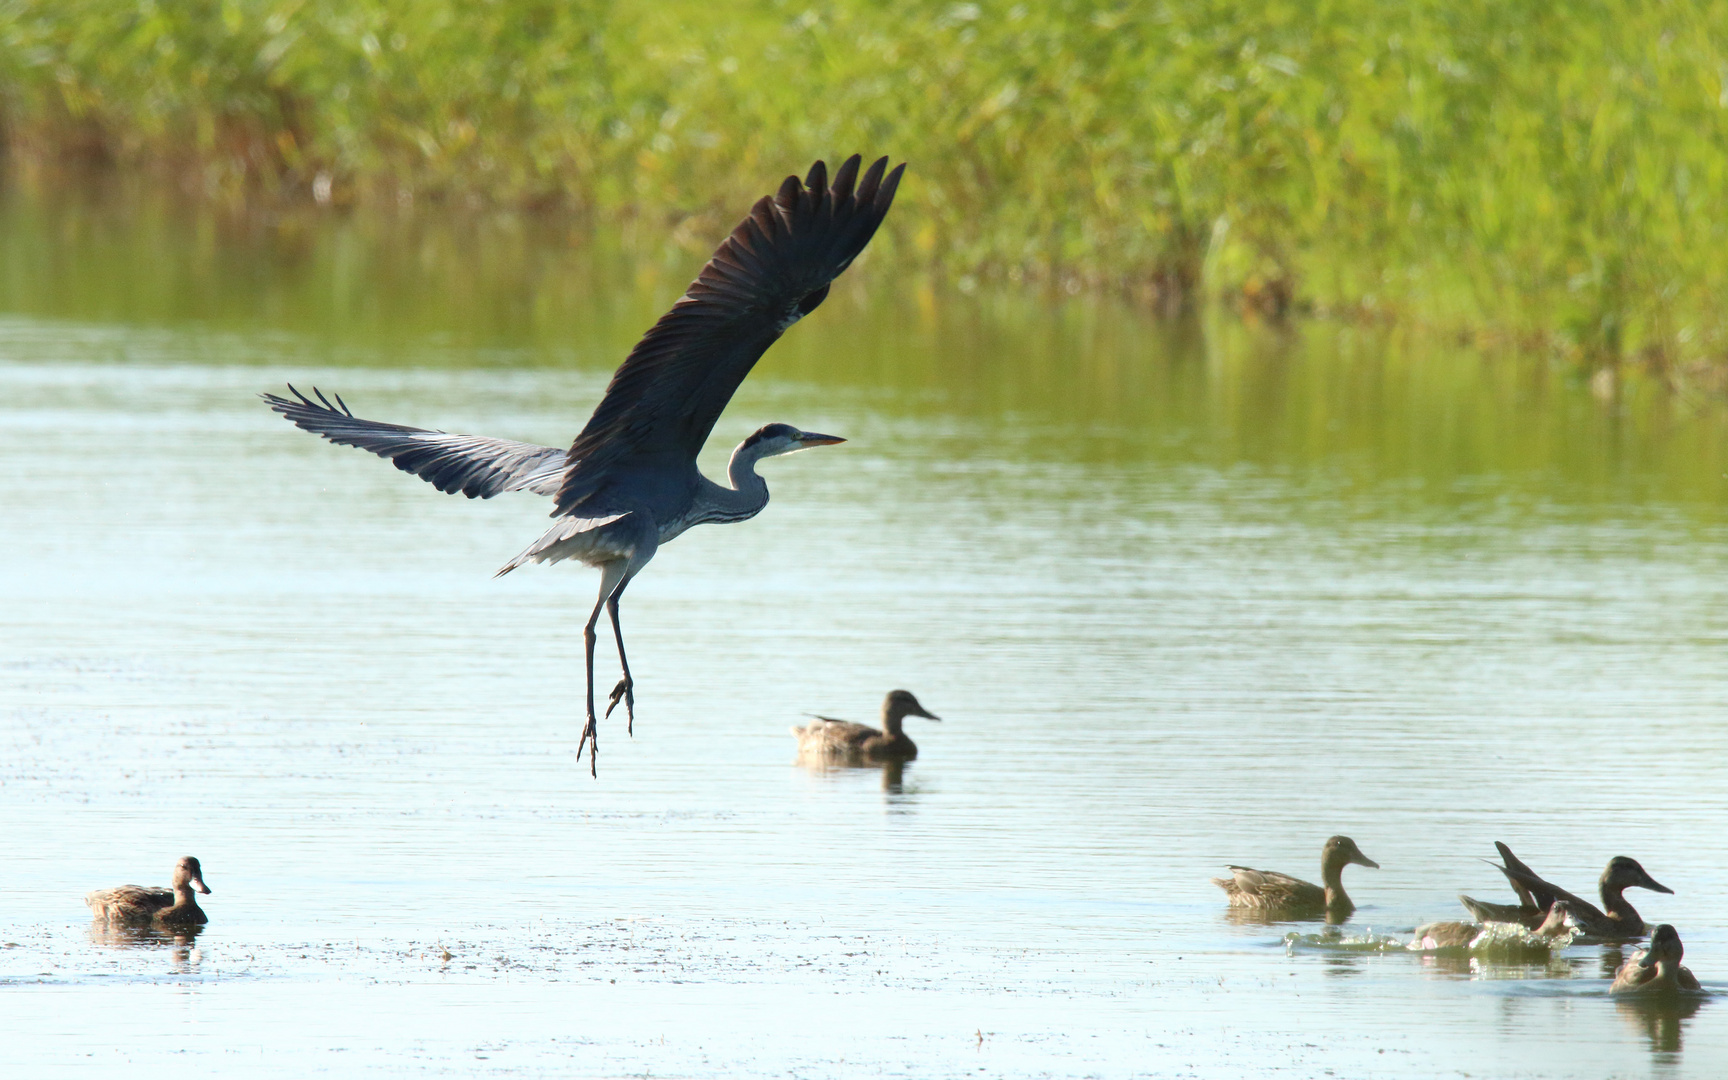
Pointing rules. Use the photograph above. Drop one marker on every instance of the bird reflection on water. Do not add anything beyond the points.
(1662, 1020)
(1493, 968)
(893, 772)
(180, 942)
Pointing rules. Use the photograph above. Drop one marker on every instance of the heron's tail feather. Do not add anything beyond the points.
(557, 542)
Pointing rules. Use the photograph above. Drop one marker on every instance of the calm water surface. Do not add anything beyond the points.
(1184, 596)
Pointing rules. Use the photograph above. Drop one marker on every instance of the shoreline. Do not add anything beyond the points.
(1514, 178)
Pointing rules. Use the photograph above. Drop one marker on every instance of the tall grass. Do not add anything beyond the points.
(1509, 168)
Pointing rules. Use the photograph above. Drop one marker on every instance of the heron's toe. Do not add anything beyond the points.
(625, 691)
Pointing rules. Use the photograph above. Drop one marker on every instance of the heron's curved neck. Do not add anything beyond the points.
(748, 493)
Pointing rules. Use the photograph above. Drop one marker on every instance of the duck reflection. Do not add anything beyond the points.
(1489, 967)
(1611, 960)
(893, 772)
(1662, 1020)
(180, 942)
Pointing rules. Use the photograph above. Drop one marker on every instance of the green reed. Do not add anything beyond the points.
(1505, 169)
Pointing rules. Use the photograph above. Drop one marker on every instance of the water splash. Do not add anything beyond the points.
(1333, 939)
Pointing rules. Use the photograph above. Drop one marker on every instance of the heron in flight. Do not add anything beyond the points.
(629, 483)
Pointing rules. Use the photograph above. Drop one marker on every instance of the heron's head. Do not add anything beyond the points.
(1624, 872)
(188, 872)
(776, 439)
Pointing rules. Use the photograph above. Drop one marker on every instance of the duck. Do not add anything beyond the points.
(1461, 935)
(1274, 893)
(828, 737)
(1616, 919)
(136, 905)
(1657, 969)
(1525, 912)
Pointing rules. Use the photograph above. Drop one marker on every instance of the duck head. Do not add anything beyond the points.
(900, 704)
(1664, 945)
(1341, 851)
(1625, 873)
(187, 873)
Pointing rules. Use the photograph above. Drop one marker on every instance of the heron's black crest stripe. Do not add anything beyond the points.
(778, 262)
(474, 465)
(767, 431)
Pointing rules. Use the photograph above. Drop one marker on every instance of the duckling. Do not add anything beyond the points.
(1461, 935)
(1616, 920)
(1269, 891)
(135, 905)
(1656, 970)
(828, 737)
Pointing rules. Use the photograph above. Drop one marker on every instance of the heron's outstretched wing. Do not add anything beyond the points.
(773, 270)
(475, 465)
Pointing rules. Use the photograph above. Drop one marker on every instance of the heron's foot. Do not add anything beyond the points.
(625, 691)
(590, 739)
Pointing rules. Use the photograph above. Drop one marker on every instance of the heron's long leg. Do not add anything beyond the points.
(626, 688)
(611, 574)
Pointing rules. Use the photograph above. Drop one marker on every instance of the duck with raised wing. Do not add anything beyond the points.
(1615, 920)
(1657, 969)
(1525, 912)
(1272, 893)
(135, 905)
(828, 738)
(629, 483)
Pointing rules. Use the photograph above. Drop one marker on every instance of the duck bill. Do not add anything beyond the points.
(927, 715)
(1655, 886)
(1362, 860)
(203, 888)
(810, 438)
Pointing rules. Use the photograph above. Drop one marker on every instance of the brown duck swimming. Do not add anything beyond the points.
(1280, 894)
(135, 905)
(1616, 919)
(1460, 935)
(831, 738)
(1656, 970)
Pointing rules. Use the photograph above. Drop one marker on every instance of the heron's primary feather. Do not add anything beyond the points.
(475, 465)
(774, 269)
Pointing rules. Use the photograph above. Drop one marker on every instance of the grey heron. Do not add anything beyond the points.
(629, 483)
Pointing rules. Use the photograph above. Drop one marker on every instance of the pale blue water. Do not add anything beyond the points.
(1170, 623)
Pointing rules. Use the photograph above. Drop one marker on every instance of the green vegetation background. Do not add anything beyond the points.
(1505, 169)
